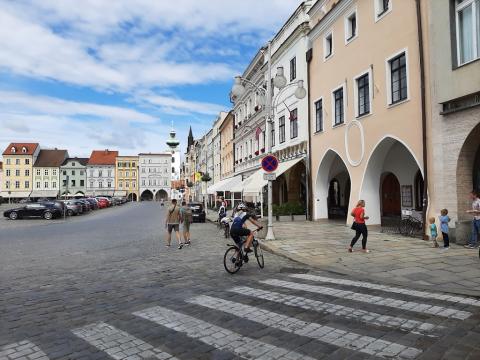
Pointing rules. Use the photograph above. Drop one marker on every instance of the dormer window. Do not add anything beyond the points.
(13, 150)
(24, 150)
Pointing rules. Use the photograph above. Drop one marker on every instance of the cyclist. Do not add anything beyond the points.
(238, 229)
(222, 212)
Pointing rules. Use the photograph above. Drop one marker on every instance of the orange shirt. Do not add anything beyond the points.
(357, 213)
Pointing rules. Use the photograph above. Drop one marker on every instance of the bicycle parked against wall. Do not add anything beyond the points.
(235, 257)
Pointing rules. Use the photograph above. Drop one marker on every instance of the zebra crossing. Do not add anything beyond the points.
(318, 308)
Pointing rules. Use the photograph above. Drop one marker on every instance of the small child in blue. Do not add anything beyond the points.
(444, 220)
(433, 231)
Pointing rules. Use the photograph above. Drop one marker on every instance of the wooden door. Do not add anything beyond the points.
(391, 196)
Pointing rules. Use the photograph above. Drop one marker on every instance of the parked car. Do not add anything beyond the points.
(46, 210)
(72, 208)
(88, 207)
(198, 212)
(103, 203)
(104, 198)
(93, 203)
(56, 203)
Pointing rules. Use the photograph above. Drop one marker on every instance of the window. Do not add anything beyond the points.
(17, 172)
(109, 173)
(54, 172)
(38, 184)
(39, 172)
(134, 174)
(100, 184)
(273, 135)
(54, 185)
(293, 124)
(398, 79)
(109, 184)
(8, 161)
(468, 30)
(127, 173)
(319, 115)
(328, 46)
(281, 129)
(27, 184)
(45, 172)
(17, 184)
(82, 183)
(381, 8)
(133, 164)
(363, 95)
(27, 161)
(100, 173)
(73, 173)
(351, 27)
(24, 150)
(45, 184)
(173, 170)
(13, 150)
(81, 172)
(73, 164)
(64, 172)
(120, 185)
(27, 172)
(7, 172)
(293, 69)
(143, 182)
(91, 184)
(7, 184)
(74, 183)
(91, 173)
(64, 184)
(338, 107)
(17, 161)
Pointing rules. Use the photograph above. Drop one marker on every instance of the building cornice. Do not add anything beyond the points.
(300, 31)
(327, 21)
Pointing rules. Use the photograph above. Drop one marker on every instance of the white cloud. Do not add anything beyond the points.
(175, 105)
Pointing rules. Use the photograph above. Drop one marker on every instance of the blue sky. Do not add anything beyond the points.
(98, 74)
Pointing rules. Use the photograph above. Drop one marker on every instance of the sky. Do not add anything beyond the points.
(98, 74)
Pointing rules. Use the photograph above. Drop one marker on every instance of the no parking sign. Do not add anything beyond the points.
(269, 163)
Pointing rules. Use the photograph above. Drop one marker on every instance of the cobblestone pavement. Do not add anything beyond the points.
(106, 287)
(392, 258)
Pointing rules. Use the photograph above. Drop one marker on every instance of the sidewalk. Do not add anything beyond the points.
(395, 259)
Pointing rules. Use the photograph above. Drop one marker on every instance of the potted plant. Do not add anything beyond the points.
(257, 152)
(262, 150)
(189, 183)
(206, 177)
(257, 107)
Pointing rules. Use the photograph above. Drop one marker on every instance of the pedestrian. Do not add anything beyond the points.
(187, 219)
(172, 223)
(444, 220)
(475, 221)
(433, 231)
(359, 226)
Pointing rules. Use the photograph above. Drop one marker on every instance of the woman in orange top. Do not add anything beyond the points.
(359, 226)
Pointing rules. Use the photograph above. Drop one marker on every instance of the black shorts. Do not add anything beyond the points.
(237, 234)
(171, 227)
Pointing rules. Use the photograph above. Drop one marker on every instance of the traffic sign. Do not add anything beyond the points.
(270, 163)
(270, 176)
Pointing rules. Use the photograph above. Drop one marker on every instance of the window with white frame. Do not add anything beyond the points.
(281, 129)
(7, 184)
(382, 7)
(293, 69)
(17, 184)
(27, 184)
(293, 124)
(362, 95)
(45, 184)
(328, 45)
(351, 26)
(27, 172)
(38, 185)
(17, 172)
(319, 115)
(45, 172)
(39, 172)
(338, 106)
(398, 78)
(467, 19)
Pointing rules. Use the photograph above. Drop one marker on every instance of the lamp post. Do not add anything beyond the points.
(280, 82)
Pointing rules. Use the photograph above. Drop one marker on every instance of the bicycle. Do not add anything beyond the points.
(234, 257)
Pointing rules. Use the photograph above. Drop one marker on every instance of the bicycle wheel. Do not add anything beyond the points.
(258, 254)
(231, 260)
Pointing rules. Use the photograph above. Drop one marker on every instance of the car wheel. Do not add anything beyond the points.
(70, 212)
(48, 215)
(13, 216)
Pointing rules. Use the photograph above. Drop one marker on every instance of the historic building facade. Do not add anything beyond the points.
(46, 173)
(126, 177)
(18, 160)
(73, 177)
(155, 176)
(365, 106)
(101, 173)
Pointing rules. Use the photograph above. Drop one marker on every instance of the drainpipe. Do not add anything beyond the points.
(424, 116)
(310, 197)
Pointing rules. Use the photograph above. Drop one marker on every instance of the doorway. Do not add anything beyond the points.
(391, 205)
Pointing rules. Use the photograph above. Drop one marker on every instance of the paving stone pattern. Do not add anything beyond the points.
(106, 287)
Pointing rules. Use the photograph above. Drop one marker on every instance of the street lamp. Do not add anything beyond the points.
(280, 82)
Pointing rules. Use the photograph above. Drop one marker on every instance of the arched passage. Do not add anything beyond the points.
(132, 197)
(297, 188)
(332, 188)
(468, 172)
(161, 195)
(147, 195)
(390, 177)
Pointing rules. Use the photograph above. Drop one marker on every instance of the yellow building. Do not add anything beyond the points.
(18, 160)
(126, 177)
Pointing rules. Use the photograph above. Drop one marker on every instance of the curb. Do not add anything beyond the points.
(342, 272)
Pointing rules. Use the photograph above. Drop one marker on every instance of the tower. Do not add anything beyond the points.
(173, 145)
(190, 139)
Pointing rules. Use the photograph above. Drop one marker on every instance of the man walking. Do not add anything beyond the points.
(476, 220)
(187, 219)
(172, 222)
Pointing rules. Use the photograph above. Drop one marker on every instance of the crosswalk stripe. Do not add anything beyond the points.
(372, 299)
(22, 350)
(119, 344)
(326, 334)
(339, 310)
(216, 336)
(392, 289)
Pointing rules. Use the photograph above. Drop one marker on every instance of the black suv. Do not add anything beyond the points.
(198, 212)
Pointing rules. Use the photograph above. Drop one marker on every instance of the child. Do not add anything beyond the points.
(433, 231)
(444, 220)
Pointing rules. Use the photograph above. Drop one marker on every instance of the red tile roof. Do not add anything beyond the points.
(29, 147)
(51, 158)
(103, 157)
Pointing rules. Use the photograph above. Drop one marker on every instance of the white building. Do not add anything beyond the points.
(217, 147)
(101, 173)
(1, 179)
(155, 176)
(174, 149)
(46, 173)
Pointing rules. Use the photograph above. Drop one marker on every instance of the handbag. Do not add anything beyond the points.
(354, 226)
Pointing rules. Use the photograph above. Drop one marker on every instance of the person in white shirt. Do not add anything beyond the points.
(476, 220)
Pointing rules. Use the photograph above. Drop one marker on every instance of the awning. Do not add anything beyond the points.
(230, 184)
(44, 194)
(100, 193)
(15, 194)
(255, 183)
(120, 193)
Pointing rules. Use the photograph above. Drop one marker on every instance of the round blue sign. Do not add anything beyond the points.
(269, 163)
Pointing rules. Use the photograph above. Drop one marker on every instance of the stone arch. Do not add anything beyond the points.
(132, 197)
(390, 155)
(147, 195)
(332, 168)
(161, 195)
(297, 187)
